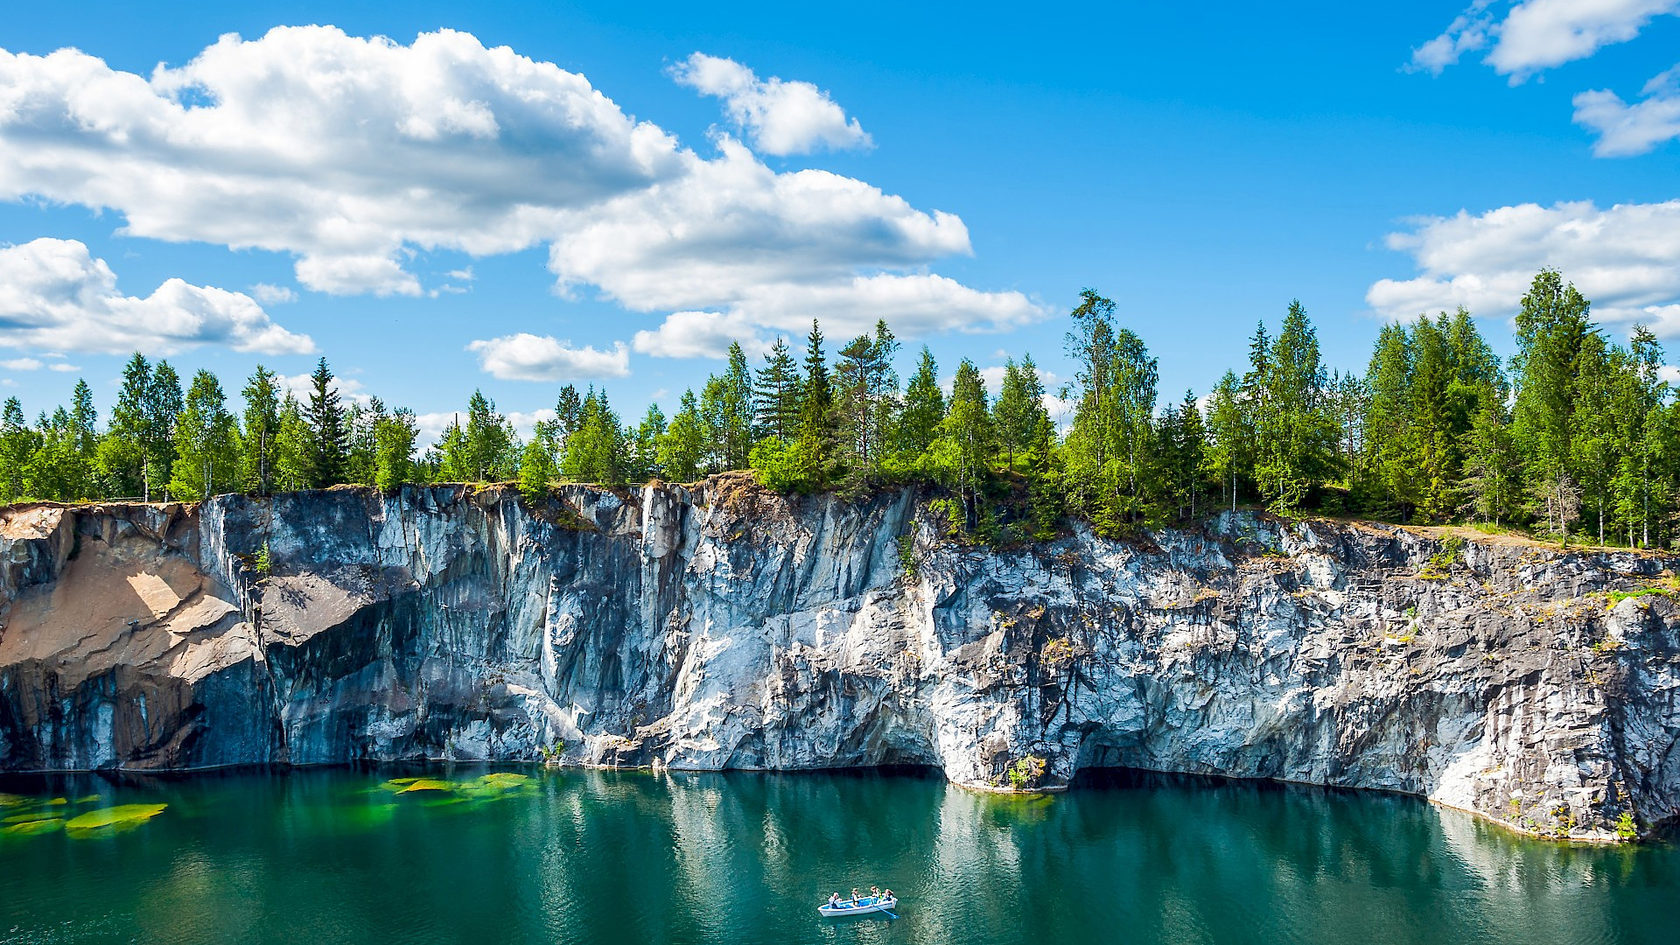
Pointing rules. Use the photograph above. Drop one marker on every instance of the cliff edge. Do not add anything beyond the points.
(723, 626)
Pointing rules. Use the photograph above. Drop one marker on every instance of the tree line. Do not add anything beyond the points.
(1574, 434)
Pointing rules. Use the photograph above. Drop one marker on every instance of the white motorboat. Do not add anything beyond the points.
(866, 906)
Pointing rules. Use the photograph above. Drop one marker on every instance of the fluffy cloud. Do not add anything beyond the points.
(1625, 258)
(432, 425)
(54, 294)
(527, 357)
(780, 117)
(1534, 35)
(1625, 129)
(354, 154)
(698, 335)
(272, 294)
(301, 386)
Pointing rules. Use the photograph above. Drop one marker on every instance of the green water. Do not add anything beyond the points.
(590, 857)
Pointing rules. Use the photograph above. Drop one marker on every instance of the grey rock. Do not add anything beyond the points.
(722, 626)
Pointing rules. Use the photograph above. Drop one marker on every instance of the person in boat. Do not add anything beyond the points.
(888, 895)
(874, 892)
(834, 900)
(855, 896)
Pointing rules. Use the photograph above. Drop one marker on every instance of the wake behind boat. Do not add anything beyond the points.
(864, 906)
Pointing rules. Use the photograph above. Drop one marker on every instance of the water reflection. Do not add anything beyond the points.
(587, 857)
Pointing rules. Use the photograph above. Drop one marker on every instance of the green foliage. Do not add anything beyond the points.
(907, 554)
(262, 562)
(1025, 773)
(1452, 550)
(1626, 828)
(1579, 437)
(328, 434)
(536, 471)
(207, 446)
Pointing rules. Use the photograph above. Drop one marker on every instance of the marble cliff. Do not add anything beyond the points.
(723, 626)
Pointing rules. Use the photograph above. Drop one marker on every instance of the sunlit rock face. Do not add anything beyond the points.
(722, 626)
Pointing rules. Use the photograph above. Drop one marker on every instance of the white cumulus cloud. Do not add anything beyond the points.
(269, 294)
(1533, 35)
(780, 117)
(360, 156)
(528, 357)
(55, 294)
(1625, 258)
(1624, 129)
(698, 335)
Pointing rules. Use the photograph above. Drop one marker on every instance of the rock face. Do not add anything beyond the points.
(721, 626)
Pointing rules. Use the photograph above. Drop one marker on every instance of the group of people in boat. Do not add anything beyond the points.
(876, 894)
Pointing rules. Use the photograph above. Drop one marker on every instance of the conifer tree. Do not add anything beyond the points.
(329, 436)
(1019, 411)
(924, 409)
(1552, 326)
(776, 394)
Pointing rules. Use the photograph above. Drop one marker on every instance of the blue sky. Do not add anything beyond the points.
(1202, 169)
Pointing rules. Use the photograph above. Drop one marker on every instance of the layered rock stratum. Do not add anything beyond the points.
(722, 626)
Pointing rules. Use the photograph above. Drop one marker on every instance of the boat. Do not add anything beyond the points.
(868, 905)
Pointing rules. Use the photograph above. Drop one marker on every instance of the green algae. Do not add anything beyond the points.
(108, 820)
(33, 828)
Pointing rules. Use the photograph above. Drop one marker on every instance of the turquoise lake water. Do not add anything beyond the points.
(524, 855)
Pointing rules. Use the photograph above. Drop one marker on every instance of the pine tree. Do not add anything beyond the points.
(924, 409)
(867, 387)
(1552, 326)
(329, 437)
(1490, 485)
(776, 394)
(84, 423)
(815, 445)
(1296, 438)
(1019, 410)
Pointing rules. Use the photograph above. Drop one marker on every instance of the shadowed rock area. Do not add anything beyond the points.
(723, 626)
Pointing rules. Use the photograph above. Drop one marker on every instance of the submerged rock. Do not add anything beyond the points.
(722, 626)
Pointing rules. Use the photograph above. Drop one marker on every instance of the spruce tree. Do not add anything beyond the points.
(776, 394)
(329, 436)
(924, 409)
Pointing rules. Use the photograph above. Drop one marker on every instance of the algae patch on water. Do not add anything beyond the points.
(445, 792)
(33, 828)
(110, 820)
